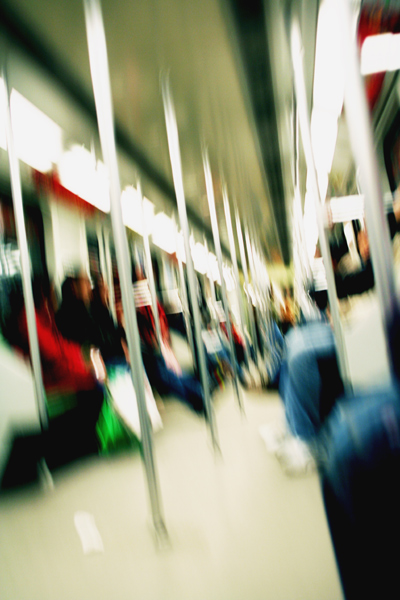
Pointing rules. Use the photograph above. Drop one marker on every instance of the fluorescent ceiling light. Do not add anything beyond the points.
(199, 255)
(164, 233)
(82, 175)
(134, 215)
(380, 53)
(38, 139)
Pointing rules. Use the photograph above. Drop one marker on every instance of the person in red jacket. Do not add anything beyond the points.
(64, 367)
(66, 372)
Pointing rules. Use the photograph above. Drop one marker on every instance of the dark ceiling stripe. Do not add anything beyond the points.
(250, 24)
(18, 32)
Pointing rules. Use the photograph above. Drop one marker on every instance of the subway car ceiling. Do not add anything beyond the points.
(231, 78)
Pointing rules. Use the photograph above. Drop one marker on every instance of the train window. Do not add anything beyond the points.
(391, 147)
(35, 235)
(94, 256)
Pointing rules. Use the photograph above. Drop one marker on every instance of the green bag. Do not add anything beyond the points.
(112, 433)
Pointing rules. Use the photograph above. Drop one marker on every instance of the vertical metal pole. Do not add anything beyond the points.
(210, 277)
(236, 273)
(99, 231)
(185, 301)
(175, 155)
(297, 58)
(298, 212)
(263, 291)
(358, 119)
(100, 243)
(256, 289)
(16, 191)
(258, 273)
(264, 284)
(301, 260)
(102, 94)
(262, 304)
(251, 265)
(106, 266)
(109, 272)
(150, 272)
(102, 256)
(246, 280)
(218, 252)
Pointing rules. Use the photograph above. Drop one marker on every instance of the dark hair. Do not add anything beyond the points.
(338, 243)
(96, 295)
(98, 282)
(41, 289)
(68, 289)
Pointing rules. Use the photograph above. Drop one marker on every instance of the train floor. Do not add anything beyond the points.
(239, 528)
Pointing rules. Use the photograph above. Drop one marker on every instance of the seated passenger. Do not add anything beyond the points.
(239, 348)
(66, 373)
(110, 337)
(237, 340)
(73, 317)
(310, 379)
(359, 477)
(161, 366)
(85, 316)
(217, 354)
(64, 367)
(310, 382)
(174, 312)
(309, 385)
(361, 490)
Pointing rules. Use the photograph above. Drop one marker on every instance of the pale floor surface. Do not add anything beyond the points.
(239, 528)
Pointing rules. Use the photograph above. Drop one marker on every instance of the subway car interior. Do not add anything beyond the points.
(199, 316)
